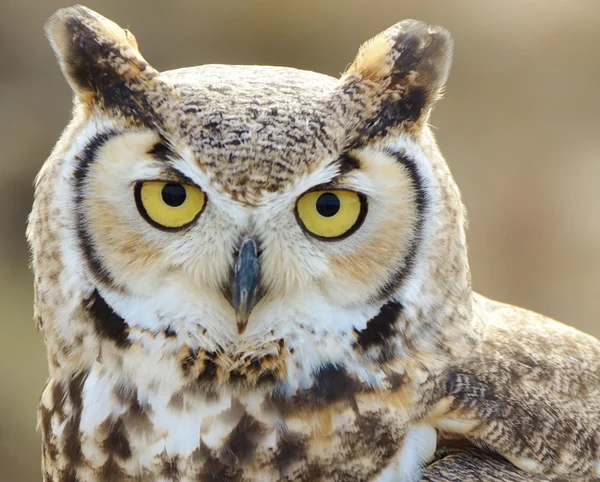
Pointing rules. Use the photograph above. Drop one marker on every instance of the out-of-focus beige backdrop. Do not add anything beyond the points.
(519, 126)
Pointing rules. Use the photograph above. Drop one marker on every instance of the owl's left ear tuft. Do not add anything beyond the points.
(398, 76)
(99, 59)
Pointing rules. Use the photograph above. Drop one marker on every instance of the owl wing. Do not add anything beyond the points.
(474, 465)
(530, 392)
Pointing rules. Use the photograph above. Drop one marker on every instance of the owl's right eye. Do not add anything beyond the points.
(169, 205)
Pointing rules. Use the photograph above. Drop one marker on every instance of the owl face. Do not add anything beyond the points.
(250, 222)
(152, 224)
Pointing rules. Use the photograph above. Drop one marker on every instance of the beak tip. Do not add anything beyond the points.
(241, 326)
(242, 322)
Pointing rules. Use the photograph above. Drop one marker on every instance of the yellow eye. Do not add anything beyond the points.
(331, 214)
(169, 205)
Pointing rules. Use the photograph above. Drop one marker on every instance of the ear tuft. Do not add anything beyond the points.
(99, 59)
(398, 76)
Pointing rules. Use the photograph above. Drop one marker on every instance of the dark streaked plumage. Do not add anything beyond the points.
(241, 346)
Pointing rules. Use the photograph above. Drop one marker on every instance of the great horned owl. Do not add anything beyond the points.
(252, 273)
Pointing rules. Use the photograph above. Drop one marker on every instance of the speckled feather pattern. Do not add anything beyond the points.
(364, 356)
(241, 121)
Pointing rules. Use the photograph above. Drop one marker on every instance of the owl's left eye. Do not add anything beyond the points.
(331, 215)
(169, 205)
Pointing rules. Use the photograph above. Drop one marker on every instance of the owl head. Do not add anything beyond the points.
(226, 226)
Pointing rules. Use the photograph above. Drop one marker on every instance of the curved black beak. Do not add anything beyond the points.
(244, 283)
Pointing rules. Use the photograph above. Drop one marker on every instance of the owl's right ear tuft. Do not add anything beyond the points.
(100, 60)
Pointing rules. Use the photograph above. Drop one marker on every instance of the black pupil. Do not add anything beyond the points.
(328, 204)
(173, 194)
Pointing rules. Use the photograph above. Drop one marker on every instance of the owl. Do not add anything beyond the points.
(253, 273)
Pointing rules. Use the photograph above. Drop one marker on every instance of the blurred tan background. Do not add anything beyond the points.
(519, 127)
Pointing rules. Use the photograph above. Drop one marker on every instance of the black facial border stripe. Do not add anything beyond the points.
(86, 160)
(107, 323)
(381, 327)
(422, 204)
